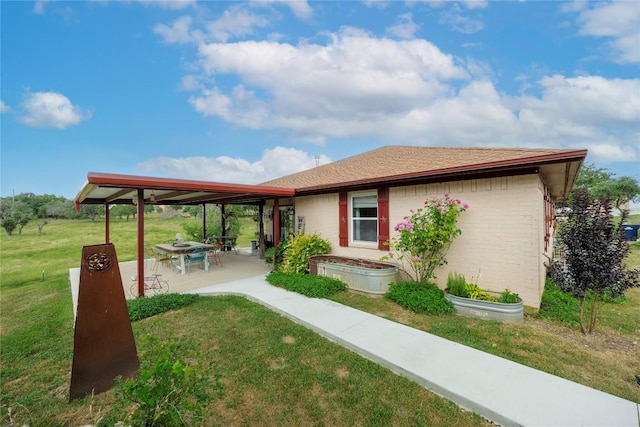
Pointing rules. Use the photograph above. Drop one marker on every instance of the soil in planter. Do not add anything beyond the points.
(364, 263)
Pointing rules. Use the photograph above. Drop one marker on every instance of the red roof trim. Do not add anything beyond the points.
(134, 181)
(106, 180)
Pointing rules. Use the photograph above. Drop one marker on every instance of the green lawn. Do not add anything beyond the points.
(273, 371)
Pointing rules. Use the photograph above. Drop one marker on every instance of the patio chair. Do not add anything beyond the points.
(214, 254)
(160, 258)
(198, 255)
(231, 243)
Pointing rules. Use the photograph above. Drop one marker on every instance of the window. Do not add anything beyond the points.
(364, 218)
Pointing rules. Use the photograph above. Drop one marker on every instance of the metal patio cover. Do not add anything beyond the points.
(101, 188)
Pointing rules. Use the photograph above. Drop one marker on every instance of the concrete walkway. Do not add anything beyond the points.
(502, 391)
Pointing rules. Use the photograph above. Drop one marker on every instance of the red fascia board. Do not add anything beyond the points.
(96, 179)
(156, 183)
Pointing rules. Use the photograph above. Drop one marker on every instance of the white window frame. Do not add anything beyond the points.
(352, 241)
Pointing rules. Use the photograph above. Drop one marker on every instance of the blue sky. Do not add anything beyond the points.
(249, 91)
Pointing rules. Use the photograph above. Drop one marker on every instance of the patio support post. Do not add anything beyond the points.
(261, 229)
(204, 223)
(223, 224)
(276, 222)
(106, 222)
(140, 242)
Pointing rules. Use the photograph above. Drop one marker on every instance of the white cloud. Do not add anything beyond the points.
(300, 8)
(177, 32)
(275, 162)
(379, 4)
(169, 4)
(475, 4)
(235, 21)
(51, 110)
(4, 108)
(617, 21)
(409, 91)
(405, 28)
(461, 23)
(609, 152)
(39, 6)
(324, 90)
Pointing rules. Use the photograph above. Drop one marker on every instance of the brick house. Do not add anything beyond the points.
(507, 234)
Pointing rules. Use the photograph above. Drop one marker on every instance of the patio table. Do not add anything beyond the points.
(182, 250)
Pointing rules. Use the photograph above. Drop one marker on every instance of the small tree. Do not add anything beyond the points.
(594, 255)
(41, 225)
(600, 183)
(621, 191)
(92, 211)
(424, 237)
(14, 215)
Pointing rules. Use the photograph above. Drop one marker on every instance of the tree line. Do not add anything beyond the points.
(18, 211)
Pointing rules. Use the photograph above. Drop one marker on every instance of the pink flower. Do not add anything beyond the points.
(458, 201)
(466, 206)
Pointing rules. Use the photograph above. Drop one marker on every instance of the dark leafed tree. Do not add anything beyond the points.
(595, 250)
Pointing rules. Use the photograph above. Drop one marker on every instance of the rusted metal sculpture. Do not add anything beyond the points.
(103, 346)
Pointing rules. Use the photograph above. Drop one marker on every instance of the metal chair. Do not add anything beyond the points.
(159, 258)
(214, 254)
(198, 255)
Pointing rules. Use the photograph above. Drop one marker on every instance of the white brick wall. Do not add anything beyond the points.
(502, 236)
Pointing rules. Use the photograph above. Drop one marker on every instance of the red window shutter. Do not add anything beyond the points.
(383, 219)
(343, 218)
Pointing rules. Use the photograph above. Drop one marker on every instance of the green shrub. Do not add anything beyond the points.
(419, 297)
(474, 292)
(140, 308)
(169, 391)
(275, 256)
(508, 297)
(455, 285)
(298, 250)
(305, 284)
(558, 305)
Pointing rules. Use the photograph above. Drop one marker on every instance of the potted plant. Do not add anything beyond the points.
(470, 300)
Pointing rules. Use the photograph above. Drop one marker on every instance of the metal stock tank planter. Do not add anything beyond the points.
(359, 274)
(487, 310)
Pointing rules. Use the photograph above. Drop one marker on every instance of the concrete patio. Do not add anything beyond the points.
(235, 266)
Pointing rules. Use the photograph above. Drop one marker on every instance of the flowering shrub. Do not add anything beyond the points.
(424, 236)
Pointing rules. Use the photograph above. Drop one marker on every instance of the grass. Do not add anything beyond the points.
(274, 372)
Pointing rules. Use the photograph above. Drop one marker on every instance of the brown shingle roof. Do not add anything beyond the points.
(397, 163)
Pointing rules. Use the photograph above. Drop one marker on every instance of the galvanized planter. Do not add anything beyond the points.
(362, 275)
(487, 310)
